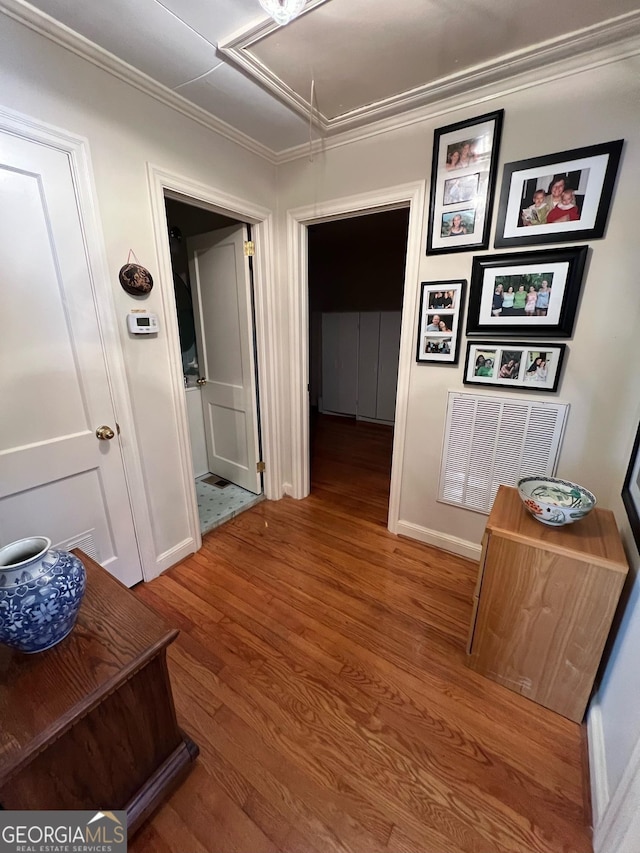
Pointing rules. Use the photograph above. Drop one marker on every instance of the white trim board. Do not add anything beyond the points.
(174, 555)
(406, 195)
(618, 829)
(597, 762)
(189, 191)
(475, 98)
(443, 541)
(620, 41)
(77, 149)
(72, 41)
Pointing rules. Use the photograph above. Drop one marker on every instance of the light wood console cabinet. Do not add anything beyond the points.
(544, 603)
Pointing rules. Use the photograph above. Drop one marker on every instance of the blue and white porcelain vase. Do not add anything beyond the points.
(40, 594)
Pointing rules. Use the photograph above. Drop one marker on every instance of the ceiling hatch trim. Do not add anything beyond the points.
(60, 34)
(478, 99)
(237, 48)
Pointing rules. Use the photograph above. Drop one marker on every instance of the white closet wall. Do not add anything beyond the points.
(360, 364)
(340, 362)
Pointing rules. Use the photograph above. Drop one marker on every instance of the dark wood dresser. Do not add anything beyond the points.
(91, 723)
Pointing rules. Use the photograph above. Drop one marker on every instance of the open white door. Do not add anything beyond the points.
(57, 478)
(221, 283)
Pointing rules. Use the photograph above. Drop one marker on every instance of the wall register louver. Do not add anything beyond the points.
(490, 440)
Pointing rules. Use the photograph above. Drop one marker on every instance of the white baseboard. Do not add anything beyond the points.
(597, 763)
(461, 547)
(169, 558)
(618, 831)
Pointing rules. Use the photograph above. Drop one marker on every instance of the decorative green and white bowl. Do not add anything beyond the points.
(555, 502)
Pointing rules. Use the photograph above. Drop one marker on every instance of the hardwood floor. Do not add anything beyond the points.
(320, 668)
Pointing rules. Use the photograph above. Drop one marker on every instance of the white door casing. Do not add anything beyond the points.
(165, 184)
(56, 478)
(410, 195)
(221, 282)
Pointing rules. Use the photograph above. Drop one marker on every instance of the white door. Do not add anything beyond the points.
(221, 283)
(57, 478)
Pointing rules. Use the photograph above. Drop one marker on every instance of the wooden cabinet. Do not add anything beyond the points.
(90, 723)
(544, 603)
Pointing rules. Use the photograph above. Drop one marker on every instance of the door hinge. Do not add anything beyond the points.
(260, 467)
(249, 248)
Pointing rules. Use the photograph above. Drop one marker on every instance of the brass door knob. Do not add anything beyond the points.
(201, 381)
(105, 433)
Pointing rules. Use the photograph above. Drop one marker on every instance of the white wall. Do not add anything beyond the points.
(618, 697)
(601, 379)
(592, 107)
(619, 694)
(126, 129)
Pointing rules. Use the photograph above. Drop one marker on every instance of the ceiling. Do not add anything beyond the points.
(366, 59)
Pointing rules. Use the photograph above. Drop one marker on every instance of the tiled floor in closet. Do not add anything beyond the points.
(217, 505)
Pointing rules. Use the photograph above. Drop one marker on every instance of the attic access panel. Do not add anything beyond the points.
(351, 48)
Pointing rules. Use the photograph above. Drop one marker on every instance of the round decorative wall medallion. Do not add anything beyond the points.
(135, 279)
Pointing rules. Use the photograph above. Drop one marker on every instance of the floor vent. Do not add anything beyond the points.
(216, 481)
(490, 440)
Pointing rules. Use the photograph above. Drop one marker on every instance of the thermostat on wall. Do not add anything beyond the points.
(142, 323)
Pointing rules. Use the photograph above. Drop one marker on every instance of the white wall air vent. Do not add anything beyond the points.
(84, 541)
(490, 440)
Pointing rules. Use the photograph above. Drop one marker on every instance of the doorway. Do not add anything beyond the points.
(413, 197)
(213, 289)
(356, 270)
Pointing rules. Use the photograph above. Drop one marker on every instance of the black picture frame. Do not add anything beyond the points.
(441, 300)
(563, 271)
(589, 176)
(531, 366)
(631, 490)
(463, 187)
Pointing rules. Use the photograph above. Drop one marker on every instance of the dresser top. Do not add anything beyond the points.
(594, 539)
(42, 694)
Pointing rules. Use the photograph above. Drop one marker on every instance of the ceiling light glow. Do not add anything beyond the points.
(283, 11)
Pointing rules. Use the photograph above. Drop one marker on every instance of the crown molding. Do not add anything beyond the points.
(531, 59)
(613, 51)
(235, 48)
(255, 32)
(589, 48)
(67, 38)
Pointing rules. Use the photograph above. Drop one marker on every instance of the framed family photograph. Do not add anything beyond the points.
(631, 490)
(529, 293)
(441, 304)
(531, 366)
(558, 197)
(463, 177)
